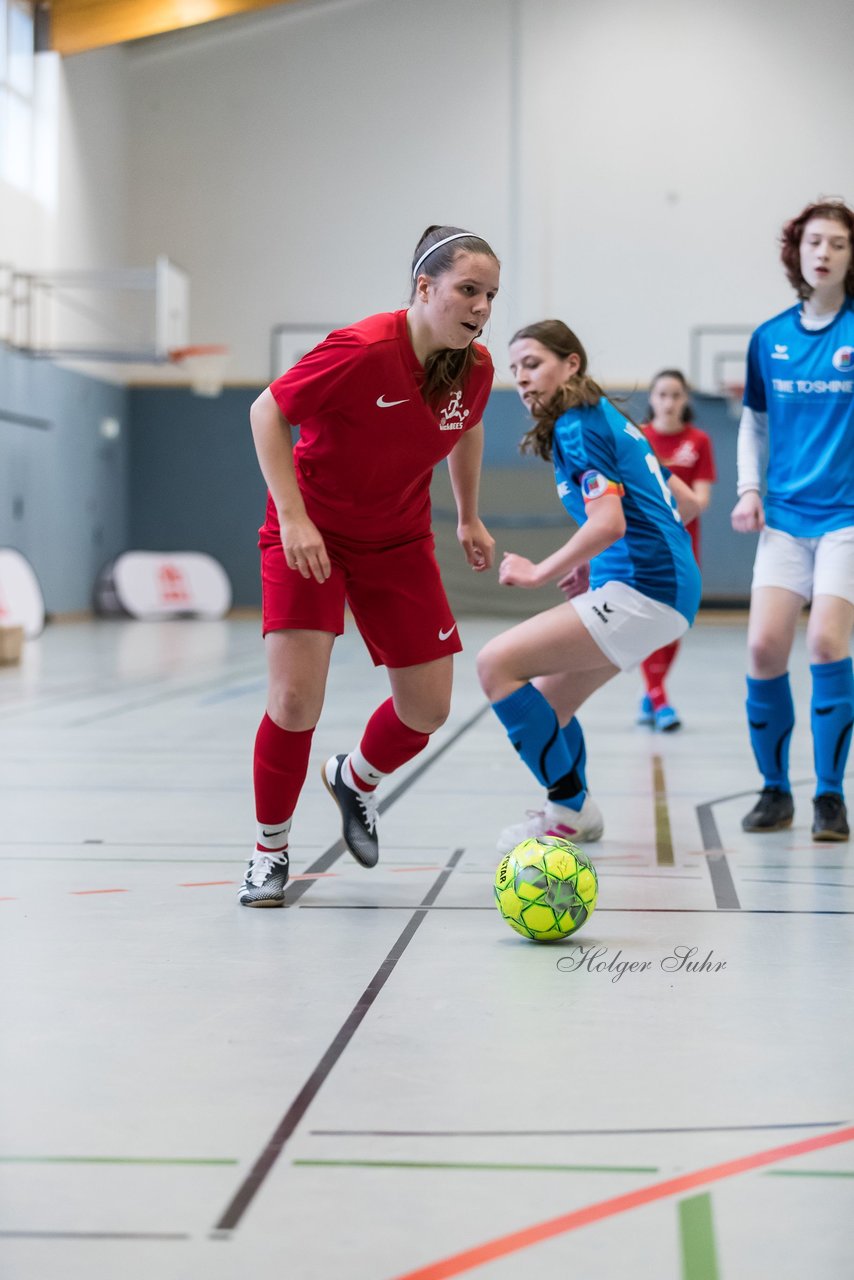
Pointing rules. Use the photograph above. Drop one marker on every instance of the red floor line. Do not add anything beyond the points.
(500, 1247)
(200, 884)
(81, 893)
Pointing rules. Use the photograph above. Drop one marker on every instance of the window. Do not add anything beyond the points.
(17, 80)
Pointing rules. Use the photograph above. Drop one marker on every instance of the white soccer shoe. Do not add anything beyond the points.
(557, 820)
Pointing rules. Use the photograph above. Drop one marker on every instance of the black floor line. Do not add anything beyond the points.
(600, 911)
(250, 1186)
(296, 889)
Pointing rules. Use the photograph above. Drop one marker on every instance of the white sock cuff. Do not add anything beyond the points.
(356, 763)
(273, 835)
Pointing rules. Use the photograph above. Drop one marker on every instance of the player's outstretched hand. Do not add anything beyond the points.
(516, 571)
(748, 514)
(576, 582)
(478, 545)
(305, 549)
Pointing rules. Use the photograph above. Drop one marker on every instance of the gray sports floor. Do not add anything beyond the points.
(383, 1081)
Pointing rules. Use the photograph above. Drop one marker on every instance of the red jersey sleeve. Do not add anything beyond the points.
(318, 382)
(705, 469)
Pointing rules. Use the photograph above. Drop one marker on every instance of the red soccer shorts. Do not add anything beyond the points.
(395, 595)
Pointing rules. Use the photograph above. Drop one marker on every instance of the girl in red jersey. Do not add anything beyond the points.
(687, 452)
(378, 405)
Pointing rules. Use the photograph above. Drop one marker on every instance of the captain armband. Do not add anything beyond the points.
(595, 485)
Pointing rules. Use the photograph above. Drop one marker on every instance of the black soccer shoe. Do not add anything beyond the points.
(265, 880)
(773, 811)
(830, 817)
(358, 813)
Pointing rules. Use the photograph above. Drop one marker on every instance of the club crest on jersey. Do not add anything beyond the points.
(453, 416)
(843, 359)
(685, 456)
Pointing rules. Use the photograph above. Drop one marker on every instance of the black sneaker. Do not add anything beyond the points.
(773, 811)
(265, 880)
(830, 818)
(358, 813)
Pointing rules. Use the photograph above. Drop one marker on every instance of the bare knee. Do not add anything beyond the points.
(768, 658)
(826, 647)
(492, 672)
(292, 708)
(424, 717)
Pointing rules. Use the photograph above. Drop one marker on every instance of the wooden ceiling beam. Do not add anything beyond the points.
(79, 25)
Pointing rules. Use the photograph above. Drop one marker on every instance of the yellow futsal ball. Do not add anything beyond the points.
(546, 888)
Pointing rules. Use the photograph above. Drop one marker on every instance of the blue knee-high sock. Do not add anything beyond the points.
(533, 729)
(832, 714)
(771, 717)
(571, 790)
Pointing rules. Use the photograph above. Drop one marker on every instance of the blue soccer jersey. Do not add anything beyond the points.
(596, 450)
(804, 380)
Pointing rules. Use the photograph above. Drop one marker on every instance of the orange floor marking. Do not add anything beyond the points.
(80, 893)
(199, 884)
(457, 1263)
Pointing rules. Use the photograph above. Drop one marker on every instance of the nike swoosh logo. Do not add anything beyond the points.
(443, 635)
(389, 404)
(268, 834)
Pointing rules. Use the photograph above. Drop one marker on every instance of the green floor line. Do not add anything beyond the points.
(699, 1258)
(461, 1164)
(810, 1173)
(109, 1160)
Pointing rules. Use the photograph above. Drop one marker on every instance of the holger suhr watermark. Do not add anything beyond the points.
(681, 959)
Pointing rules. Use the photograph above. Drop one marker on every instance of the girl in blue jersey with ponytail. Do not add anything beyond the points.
(629, 575)
(799, 402)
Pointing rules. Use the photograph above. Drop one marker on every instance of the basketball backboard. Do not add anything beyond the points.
(119, 314)
(718, 356)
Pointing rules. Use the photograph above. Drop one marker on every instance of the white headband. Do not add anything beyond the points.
(458, 235)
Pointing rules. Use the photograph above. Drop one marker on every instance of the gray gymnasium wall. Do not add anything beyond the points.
(195, 485)
(63, 483)
(182, 475)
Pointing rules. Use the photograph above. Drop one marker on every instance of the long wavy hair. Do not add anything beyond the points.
(446, 370)
(579, 390)
(793, 233)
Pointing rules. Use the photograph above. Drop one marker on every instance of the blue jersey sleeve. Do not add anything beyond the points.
(754, 387)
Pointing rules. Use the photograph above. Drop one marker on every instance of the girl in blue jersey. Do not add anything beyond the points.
(799, 401)
(629, 575)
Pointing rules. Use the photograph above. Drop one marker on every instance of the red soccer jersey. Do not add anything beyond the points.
(368, 443)
(688, 454)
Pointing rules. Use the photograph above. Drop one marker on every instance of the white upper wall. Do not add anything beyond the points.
(630, 163)
(291, 161)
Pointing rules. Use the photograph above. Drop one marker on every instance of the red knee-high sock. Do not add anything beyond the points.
(386, 744)
(655, 668)
(279, 767)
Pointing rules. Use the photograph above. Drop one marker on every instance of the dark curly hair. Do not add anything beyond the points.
(793, 232)
(558, 338)
(446, 370)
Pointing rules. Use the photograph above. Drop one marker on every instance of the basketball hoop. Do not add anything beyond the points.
(205, 367)
(734, 393)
